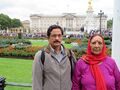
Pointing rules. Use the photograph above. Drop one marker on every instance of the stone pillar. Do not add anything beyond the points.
(116, 33)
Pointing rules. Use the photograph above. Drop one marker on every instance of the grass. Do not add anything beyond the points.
(45, 43)
(39, 42)
(17, 88)
(16, 70)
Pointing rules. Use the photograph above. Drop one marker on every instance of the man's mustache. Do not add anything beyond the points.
(56, 41)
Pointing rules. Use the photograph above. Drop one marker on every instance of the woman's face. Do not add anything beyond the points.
(96, 45)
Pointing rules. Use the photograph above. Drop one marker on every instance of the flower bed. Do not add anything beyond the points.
(26, 52)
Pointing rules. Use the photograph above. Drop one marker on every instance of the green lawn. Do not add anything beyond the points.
(45, 42)
(16, 70)
(39, 42)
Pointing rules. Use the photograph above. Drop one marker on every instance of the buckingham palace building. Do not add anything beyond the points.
(70, 22)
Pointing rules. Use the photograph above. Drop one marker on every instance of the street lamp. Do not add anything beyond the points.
(100, 14)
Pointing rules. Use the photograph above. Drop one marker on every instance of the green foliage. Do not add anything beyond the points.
(84, 41)
(69, 40)
(15, 23)
(7, 22)
(19, 35)
(7, 42)
(79, 51)
(107, 40)
(68, 45)
(109, 51)
(21, 50)
(109, 23)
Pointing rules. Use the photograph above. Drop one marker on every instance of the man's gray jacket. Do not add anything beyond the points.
(53, 75)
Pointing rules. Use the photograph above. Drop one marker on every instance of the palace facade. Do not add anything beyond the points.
(70, 22)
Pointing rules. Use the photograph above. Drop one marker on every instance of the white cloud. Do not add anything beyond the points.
(23, 8)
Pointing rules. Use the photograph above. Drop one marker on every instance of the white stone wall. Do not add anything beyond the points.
(70, 21)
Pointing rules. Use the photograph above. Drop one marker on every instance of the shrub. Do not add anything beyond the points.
(107, 42)
(23, 52)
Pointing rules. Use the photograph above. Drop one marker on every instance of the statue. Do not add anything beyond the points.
(90, 4)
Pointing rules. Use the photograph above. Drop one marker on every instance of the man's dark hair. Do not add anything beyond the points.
(53, 27)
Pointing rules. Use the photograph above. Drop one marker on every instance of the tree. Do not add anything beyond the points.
(109, 23)
(5, 22)
(15, 23)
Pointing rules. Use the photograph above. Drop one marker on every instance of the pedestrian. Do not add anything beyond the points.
(53, 73)
(95, 70)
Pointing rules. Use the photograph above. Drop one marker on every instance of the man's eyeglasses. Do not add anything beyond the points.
(56, 35)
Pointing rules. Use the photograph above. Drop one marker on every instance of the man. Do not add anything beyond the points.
(55, 72)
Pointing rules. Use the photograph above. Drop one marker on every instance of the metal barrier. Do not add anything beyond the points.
(2, 83)
(18, 84)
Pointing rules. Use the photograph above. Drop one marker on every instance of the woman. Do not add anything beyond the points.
(95, 70)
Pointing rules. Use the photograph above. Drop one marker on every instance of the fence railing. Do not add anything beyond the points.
(18, 84)
(3, 83)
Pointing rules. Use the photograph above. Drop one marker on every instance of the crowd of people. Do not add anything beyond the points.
(81, 34)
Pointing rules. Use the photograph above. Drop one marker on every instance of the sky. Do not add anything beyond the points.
(22, 9)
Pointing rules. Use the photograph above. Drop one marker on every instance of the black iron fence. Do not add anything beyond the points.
(3, 83)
